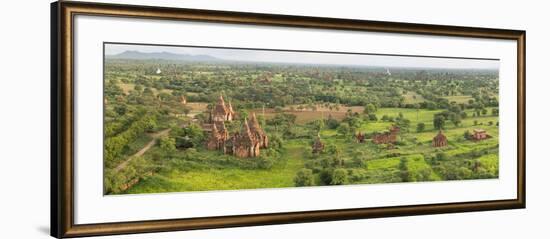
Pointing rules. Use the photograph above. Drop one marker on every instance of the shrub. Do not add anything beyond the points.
(372, 117)
(441, 156)
(332, 123)
(467, 134)
(265, 162)
(339, 177)
(167, 144)
(304, 177)
(420, 127)
(326, 176)
(355, 175)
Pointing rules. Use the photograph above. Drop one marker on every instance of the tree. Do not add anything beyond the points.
(344, 129)
(420, 127)
(138, 88)
(243, 114)
(339, 176)
(332, 123)
(121, 109)
(403, 163)
(304, 177)
(265, 162)
(318, 125)
(431, 105)
(404, 170)
(440, 156)
(484, 111)
(467, 135)
(276, 141)
(186, 110)
(424, 175)
(168, 144)
(195, 133)
(372, 117)
(333, 149)
(148, 91)
(359, 158)
(163, 96)
(370, 108)
(455, 119)
(439, 122)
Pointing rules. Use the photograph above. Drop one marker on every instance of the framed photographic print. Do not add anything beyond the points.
(173, 119)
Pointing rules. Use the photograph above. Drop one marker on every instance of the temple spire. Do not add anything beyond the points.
(230, 107)
(220, 100)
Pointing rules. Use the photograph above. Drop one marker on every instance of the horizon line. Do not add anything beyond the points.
(297, 51)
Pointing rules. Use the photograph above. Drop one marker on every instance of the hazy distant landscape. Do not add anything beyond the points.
(193, 119)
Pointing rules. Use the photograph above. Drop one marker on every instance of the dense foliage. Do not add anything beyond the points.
(154, 142)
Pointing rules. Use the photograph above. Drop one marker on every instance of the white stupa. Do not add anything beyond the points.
(159, 71)
(388, 72)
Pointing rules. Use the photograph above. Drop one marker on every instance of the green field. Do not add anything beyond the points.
(380, 166)
(281, 174)
(459, 98)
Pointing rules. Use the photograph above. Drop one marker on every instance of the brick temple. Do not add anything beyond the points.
(360, 137)
(439, 140)
(386, 137)
(243, 144)
(317, 146)
(479, 134)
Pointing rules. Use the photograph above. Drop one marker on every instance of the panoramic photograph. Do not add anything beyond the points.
(185, 118)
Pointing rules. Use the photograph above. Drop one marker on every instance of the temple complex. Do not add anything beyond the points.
(439, 140)
(243, 144)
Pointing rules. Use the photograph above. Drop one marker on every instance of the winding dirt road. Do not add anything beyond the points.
(142, 151)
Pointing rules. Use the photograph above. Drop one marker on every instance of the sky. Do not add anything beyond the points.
(312, 58)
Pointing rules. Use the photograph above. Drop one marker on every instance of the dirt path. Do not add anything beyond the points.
(142, 151)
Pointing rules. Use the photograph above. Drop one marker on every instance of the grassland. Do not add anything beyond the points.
(459, 99)
(381, 166)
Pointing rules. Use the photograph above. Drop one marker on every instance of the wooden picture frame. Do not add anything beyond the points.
(62, 118)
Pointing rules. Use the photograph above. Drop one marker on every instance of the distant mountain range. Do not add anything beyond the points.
(137, 55)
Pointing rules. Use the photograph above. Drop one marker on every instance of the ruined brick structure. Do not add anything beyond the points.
(257, 131)
(360, 137)
(222, 112)
(439, 140)
(317, 146)
(244, 143)
(479, 134)
(183, 100)
(218, 136)
(386, 137)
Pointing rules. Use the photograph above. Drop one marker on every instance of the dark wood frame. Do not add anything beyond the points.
(62, 96)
